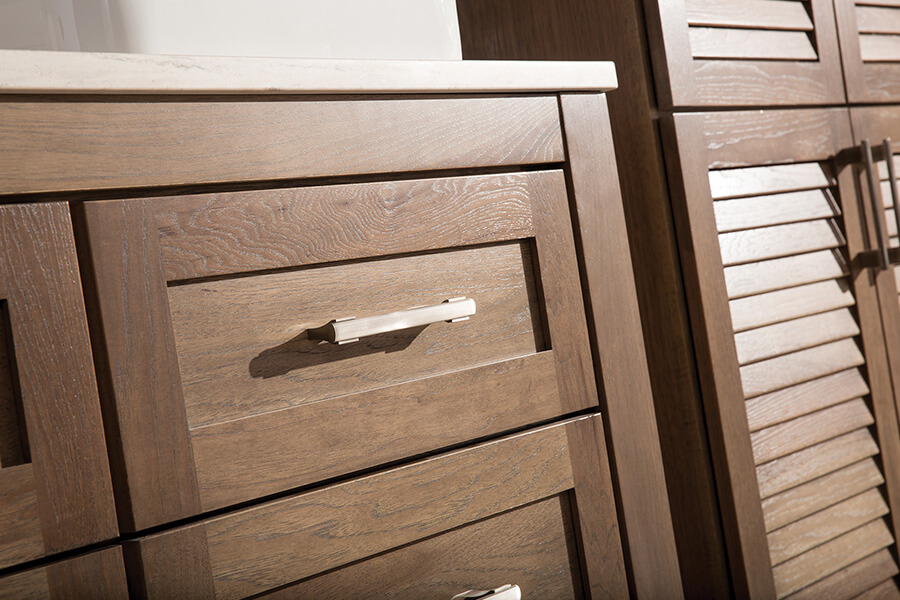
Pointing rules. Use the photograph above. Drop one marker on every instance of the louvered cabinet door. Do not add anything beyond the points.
(744, 52)
(869, 32)
(792, 365)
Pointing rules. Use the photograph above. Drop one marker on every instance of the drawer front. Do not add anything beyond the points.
(209, 353)
(55, 490)
(99, 575)
(496, 513)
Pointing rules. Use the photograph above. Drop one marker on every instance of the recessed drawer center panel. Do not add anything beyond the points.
(243, 343)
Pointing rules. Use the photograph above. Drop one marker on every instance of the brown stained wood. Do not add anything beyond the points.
(754, 14)
(215, 234)
(246, 458)
(243, 348)
(775, 179)
(870, 19)
(775, 209)
(887, 590)
(818, 494)
(136, 362)
(779, 339)
(803, 535)
(792, 436)
(717, 362)
(879, 48)
(889, 130)
(87, 145)
(13, 437)
(865, 81)
(857, 578)
(805, 398)
(28, 585)
(781, 273)
(99, 575)
(529, 546)
(174, 564)
(628, 408)
(790, 471)
(793, 303)
(20, 536)
(261, 548)
(830, 557)
(57, 385)
(798, 367)
(780, 240)
(744, 138)
(594, 501)
(721, 43)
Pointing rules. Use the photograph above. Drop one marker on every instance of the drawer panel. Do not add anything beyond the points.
(55, 490)
(519, 490)
(208, 355)
(244, 349)
(99, 575)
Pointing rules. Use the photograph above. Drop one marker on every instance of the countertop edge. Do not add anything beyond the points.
(51, 72)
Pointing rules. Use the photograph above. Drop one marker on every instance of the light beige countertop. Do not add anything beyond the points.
(38, 72)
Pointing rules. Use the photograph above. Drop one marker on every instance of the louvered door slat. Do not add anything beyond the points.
(809, 498)
(753, 14)
(806, 569)
(781, 273)
(869, 33)
(775, 209)
(857, 578)
(800, 536)
(782, 338)
(871, 19)
(792, 303)
(721, 43)
(879, 48)
(780, 240)
(798, 367)
(887, 590)
(802, 432)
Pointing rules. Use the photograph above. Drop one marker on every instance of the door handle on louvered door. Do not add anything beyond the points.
(877, 207)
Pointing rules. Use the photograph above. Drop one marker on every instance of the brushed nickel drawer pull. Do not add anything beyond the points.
(350, 329)
(877, 207)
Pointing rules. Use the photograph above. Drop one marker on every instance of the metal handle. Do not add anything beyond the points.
(350, 329)
(504, 592)
(892, 179)
(877, 208)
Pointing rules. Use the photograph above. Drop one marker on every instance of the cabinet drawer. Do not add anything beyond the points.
(500, 512)
(205, 304)
(55, 490)
(99, 575)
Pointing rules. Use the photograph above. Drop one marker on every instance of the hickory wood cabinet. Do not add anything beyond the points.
(216, 233)
(769, 329)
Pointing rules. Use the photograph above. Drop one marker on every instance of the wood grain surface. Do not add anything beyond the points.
(57, 385)
(28, 585)
(243, 347)
(777, 241)
(792, 303)
(790, 336)
(803, 570)
(721, 43)
(802, 432)
(872, 19)
(781, 273)
(755, 14)
(792, 470)
(628, 407)
(855, 579)
(795, 401)
(771, 180)
(809, 498)
(774, 209)
(88, 145)
(171, 565)
(247, 458)
(886, 590)
(803, 535)
(216, 234)
(13, 437)
(99, 574)
(798, 367)
(136, 364)
(20, 537)
(529, 546)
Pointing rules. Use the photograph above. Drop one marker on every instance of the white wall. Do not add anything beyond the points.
(425, 29)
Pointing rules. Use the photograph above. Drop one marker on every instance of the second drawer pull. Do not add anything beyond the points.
(351, 329)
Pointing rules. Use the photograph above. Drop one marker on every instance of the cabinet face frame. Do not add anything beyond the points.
(696, 143)
(62, 497)
(683, 81)
(865, 81)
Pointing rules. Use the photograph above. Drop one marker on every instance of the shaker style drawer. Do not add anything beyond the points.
(55, 490)
(99, 575)
(507, 511)
(213, 311)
